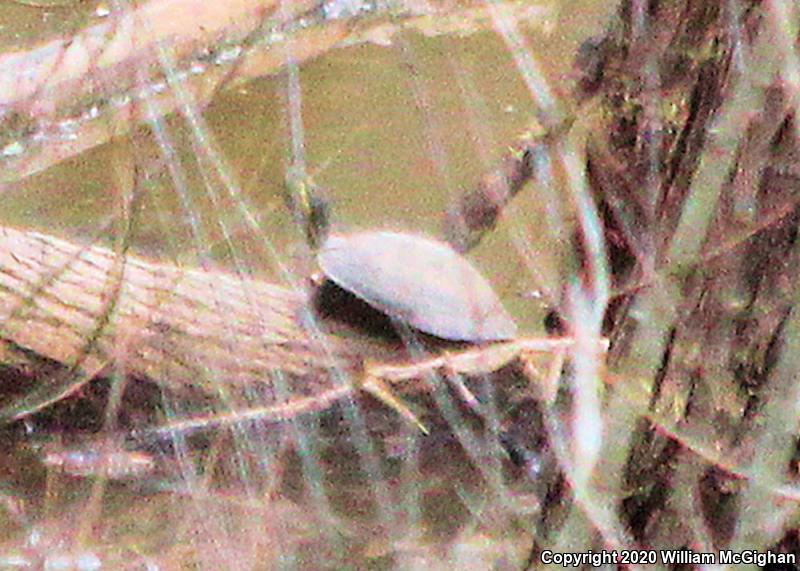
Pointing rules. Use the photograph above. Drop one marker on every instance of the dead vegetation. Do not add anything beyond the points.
(683, 253)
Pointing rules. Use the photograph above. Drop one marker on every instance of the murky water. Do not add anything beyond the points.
(394, 130)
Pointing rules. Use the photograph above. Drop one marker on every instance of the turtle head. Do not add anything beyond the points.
(309, 205)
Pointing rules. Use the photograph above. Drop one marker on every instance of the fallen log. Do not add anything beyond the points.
(96, 312)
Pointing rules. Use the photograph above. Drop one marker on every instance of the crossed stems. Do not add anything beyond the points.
(378, 380)
(452, 366)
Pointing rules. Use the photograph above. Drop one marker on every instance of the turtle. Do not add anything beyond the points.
(417, 281)
(414, 280)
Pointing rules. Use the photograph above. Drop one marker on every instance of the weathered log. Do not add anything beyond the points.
(94, 311)
(68, 95)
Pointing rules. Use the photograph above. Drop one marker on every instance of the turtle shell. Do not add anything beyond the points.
(419, 281)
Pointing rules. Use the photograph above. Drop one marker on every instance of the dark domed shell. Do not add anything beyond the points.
(417, 280)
